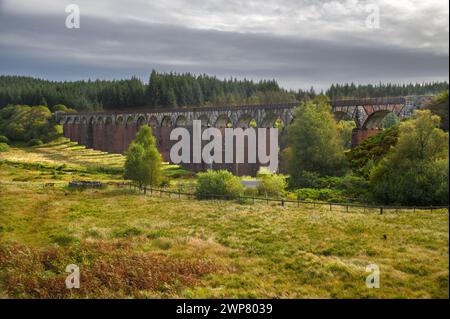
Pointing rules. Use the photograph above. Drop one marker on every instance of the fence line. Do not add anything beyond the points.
(282, 201)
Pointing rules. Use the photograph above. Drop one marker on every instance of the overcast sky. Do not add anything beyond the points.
(300, 43)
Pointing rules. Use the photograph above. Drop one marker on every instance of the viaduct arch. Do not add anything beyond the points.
(112, 132)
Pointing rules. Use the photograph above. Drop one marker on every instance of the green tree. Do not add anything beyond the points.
(143, 161)
(271, 185)
(214, 184)
(314, 142)
(415, 171)
(345, 130)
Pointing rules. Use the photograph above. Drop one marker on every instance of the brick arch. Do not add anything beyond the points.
(269, 120)
(69, 120)
(153, 121)
(120, 119)
(166, 121)
(63, 120)
(204, 119)
(109, 120)
(342, 116)
(373, 120)
(244, 120)
(223, 121)
(181, 121)
(141, 120)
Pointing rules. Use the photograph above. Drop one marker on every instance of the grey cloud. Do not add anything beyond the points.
(42, 46)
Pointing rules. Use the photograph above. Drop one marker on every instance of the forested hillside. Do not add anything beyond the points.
(337, 91)
(178, 90)
(164, 89)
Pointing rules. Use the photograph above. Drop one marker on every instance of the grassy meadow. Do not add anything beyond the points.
(128, 245)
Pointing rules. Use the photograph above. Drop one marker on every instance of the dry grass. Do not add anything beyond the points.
(209, 248)
(107, 270)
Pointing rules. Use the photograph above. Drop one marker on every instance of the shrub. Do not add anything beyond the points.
(325, 195)
(35, 142)
(305, 179)
(349, 184)
(4, 147)
(165, 182)
(4, 139)
(222, 183)
(251, 192)
(272, 185)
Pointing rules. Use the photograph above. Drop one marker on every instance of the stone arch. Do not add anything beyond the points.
(245, 120)
(223, 121)
(205, 120)
(129, 120)
(373, 120)
(166, 121)
(153, 121)
(181, 121)
(63, 120)
(100, 121)
(119, 120)
(141, 120)
(269, 120)
(108, 120)
(342, 116)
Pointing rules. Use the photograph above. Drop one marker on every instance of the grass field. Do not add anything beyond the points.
(130, 245)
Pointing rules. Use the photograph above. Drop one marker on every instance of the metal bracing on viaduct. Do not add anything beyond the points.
(113, 131)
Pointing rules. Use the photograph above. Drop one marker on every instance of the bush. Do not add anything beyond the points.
(216, 184)
(305, 179)
(4, 147)
(350, 185)
(4, 139)
(35, 142)
(324, 195)
(271, 185)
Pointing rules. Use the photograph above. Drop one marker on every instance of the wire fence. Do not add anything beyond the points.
(282, 202)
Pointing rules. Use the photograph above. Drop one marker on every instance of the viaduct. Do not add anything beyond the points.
(112, 132)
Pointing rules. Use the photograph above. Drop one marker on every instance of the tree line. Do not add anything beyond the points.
(339, 91)
(181, 89)
(163, 90)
